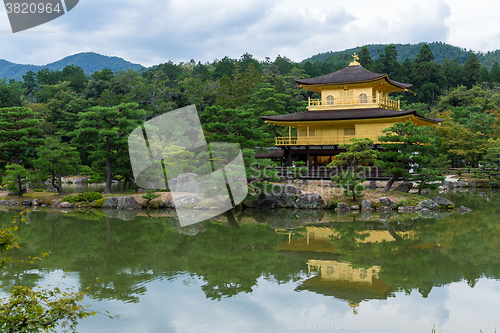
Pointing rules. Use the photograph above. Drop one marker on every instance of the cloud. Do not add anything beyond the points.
(415, 24)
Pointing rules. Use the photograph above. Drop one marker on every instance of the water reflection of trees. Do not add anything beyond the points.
(124, 255)
(417, 253)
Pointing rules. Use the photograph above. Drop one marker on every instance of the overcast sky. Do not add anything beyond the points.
(154, 31)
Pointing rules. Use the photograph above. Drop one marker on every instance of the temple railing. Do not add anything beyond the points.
(353, 101)
(318, 140)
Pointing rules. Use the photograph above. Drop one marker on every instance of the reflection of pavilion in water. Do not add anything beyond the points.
(336, 278)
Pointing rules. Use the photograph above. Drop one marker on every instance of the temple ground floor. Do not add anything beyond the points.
(316, 158)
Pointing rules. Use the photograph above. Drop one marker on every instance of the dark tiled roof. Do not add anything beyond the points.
(345, 115)
(349, 74)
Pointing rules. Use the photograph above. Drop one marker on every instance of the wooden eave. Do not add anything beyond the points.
(326, 123)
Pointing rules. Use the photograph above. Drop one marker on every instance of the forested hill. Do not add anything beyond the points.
(88, 61)
(440, 50)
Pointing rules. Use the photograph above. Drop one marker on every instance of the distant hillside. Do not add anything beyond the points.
(88, 61)
(440, 50)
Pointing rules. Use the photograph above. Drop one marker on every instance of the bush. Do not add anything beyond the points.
(87, 197)
(38, 190)
(99, 203)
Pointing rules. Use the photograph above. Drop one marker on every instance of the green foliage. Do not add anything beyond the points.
(56, 158)
(150, 195)
(87, 197)
(351, 183)
(18, 131)
(98, 203)
(104, 131)
(429, 172)
(405, 146)
(359, 152)
(15, 177)
(490, 165)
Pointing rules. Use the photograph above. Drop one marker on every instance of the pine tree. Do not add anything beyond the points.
(19, 127)
(56, 158)
(105, 130)
(495, 72)
(403, 148)
(490, 165)
(472, 71)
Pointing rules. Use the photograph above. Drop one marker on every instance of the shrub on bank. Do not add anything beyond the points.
(99, 203)
(80, 197)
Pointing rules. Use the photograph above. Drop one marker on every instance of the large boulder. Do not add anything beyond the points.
(404, 187)
(127, 202)
(184, 183)
(81, 180)
(366, 205)
(110, 203)
(64, 205)
(310, 201)
(268, 202)
(443, 203)
(406, 209)
(342, 207)
(186, 200)
(387, 202)
(26, 203)
(35, 202)
(427, 204)
(169, 204)
(291, 190)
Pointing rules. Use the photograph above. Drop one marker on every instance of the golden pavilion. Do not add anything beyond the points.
(354, 103)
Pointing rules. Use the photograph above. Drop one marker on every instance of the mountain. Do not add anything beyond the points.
(410, 51)
(88, 61)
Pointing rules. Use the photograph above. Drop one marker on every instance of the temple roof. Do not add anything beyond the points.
(347, 114)
(350, 74)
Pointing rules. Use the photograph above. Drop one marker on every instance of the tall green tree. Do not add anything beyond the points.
(105, 130)
(425, 76)
(56, 158)
(11, 94)
(359, 154)
(365, 58)
(18, 131)
(495, 72)
(490, 165)
(471, 71)
(75, 76)
(403, 146)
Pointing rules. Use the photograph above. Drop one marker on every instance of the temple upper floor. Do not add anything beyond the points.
(353, 87)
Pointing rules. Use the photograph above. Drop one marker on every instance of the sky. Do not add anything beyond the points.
(151, 32)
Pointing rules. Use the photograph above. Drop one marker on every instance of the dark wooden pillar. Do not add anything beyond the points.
(307, 157)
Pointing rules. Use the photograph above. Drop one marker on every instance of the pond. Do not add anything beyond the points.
(273, 271)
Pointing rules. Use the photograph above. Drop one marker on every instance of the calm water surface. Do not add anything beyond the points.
(274, 271)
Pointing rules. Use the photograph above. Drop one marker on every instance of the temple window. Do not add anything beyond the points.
(349, 131)
(330, 100)
(363, 98)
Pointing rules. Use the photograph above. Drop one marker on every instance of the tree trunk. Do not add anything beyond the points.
(59, 186)
(20, 186)
(109, 173)
(17, 159)
(125, 180)
(389, 183)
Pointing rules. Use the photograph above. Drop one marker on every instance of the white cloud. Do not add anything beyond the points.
(153, 31)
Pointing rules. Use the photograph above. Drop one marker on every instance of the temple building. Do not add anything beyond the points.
(354, 103)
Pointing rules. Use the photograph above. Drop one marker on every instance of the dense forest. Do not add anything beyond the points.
(86, 119)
